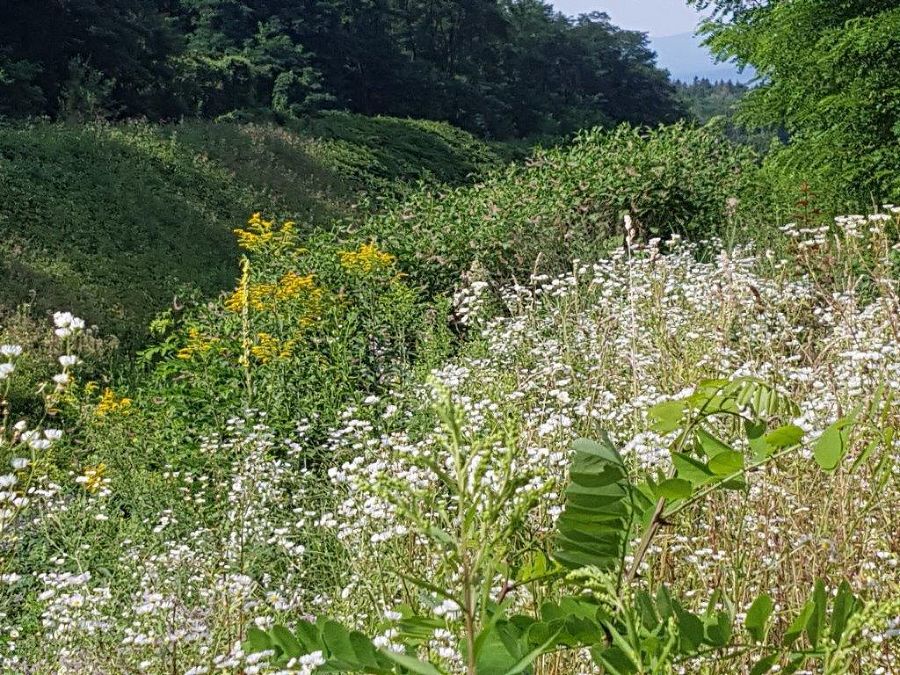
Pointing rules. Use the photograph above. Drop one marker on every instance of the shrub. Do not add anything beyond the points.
(570, 202)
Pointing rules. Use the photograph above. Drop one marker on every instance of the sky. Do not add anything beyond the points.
(657, 17)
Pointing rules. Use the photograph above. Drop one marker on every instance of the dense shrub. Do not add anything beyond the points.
(571, 201)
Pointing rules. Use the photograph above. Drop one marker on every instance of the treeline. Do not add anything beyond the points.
(502, 68)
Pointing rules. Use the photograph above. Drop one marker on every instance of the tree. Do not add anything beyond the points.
(55, 50)
(827, 74)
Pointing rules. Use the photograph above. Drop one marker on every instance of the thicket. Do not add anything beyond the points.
(826, 72)
(571, 201)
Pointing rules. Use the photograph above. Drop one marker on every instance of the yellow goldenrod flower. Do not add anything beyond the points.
(93, 479)
(196, 344)
(265, 296)
(367, 258)
(261, 234)
(110, 403)
(268, 348)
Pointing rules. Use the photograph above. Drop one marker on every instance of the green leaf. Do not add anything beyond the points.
(614, 661)
(601, 505)
(690, 628)
(756, 438)
(526, 660)
(286, 641)
(666, 416)
(726, 463)
(764, 665)
(309, 636)
(366, 653)
(758, 617)
(815, 626)
(337, 640)
(692, 470)
(411, 663)
(673, 488)
(833, 444)
(784, 437)
(257, 641)
(844, 607)
(711, 445)
(795, 630)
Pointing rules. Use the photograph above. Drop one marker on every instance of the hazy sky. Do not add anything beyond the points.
(658, 17)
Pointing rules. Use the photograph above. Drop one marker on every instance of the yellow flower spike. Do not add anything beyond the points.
(268, 348)
(196, 344)
(367, 258)
(110, 403)
(261, 234)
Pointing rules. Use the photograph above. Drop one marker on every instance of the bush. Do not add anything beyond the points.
(570, 201)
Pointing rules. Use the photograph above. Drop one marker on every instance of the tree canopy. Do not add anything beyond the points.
(828, 76)
(500, 67)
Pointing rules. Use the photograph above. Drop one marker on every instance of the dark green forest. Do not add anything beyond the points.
(502, 69)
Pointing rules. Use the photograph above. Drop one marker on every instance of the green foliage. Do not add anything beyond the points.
(828, 77)
(601, 507)
(628, 628)
(498, 68)
(570, 202)
(112, 222)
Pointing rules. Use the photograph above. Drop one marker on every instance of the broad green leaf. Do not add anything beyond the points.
(309, 635)
(337, 640)
(832, 445)
(756, 438)
(784, 437)
(364, 650)
(690, 628)
(667, 416)
(711, 445)
(692, 470)
(601, 505)
(286, 641)
(726, 463)
(257, 640)
(673, 488)
(758, 617)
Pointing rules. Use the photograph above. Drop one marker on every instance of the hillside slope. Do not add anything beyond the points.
(112, 221)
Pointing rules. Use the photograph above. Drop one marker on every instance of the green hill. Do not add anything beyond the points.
(112, 221)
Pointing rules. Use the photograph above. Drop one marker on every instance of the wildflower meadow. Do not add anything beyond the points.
(674, 458)
(408, 337)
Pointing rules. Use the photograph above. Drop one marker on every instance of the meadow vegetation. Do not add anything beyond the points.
(115, 220)
(365, 396)
(317, 470)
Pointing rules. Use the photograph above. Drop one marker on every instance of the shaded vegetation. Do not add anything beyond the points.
(501, 68)
(112, 221)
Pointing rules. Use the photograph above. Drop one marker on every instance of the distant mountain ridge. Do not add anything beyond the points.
(685, 57)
